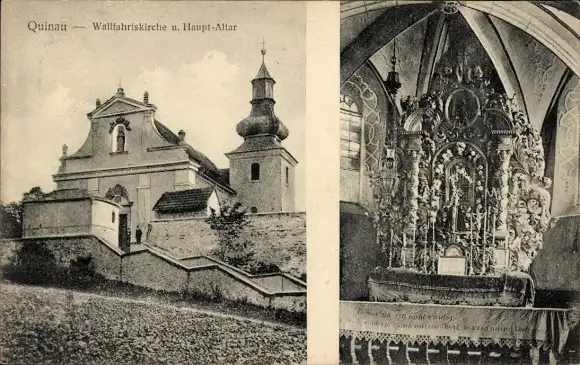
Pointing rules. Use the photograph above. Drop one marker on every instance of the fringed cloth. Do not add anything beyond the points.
(434, 324)
(404, 285)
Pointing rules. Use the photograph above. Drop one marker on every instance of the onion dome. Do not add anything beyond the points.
(262, 120)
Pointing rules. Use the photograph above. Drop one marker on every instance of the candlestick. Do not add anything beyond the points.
(433, 232)
(493, 231)
(433, 250)
(483, 268)
(403, 258)
(413, 247)
(391, 249)
(471, 246)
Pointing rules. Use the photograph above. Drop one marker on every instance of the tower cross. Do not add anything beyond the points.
(263, 48)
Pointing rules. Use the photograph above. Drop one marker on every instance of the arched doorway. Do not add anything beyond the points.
(119, 195)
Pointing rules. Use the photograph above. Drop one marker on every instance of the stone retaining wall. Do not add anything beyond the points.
(278, 238)
(150, 269)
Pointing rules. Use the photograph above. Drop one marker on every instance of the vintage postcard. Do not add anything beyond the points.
(459, 182)
(153, 183)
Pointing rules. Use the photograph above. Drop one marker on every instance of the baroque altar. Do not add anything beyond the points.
(460, 192)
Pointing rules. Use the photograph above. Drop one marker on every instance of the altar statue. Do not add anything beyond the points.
(464, 219)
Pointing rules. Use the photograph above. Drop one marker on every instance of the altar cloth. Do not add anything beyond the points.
(451, 324)
(405, 285)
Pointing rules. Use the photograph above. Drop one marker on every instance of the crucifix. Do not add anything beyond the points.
(263, 48)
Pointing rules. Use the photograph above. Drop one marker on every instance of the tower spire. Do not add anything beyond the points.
(262, 120)
(120, 88)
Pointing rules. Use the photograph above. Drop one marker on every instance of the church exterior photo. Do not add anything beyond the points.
(135, 200)
(134, 160)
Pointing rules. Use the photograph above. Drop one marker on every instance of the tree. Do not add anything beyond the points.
(11, 214)
(229, 224)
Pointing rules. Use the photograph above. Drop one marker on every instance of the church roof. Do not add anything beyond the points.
(263, 73)
(207, 166)
(191, 200)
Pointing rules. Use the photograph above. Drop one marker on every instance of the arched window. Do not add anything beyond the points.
(255, 171)
(253, 210)
(119, 141)
(350, 134)
(287, 175)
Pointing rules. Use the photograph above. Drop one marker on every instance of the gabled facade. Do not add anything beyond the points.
(132, 158)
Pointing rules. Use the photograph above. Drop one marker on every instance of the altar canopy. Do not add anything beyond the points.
(408, 323)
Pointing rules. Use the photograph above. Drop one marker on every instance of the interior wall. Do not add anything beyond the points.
(359, 255)
(567, 150)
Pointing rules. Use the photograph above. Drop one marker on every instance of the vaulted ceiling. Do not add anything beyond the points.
(533, 48)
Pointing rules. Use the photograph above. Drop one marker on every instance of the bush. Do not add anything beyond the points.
(33, 263)
(81, 273)
(256, 268)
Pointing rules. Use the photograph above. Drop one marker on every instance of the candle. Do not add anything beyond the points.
(485, 224)
(433, 232)
(493, 232)
(413, 247)
(425, 252)
(391, 249)
(403, 258)
(471, 246)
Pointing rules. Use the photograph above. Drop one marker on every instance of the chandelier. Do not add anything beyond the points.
(392, 83)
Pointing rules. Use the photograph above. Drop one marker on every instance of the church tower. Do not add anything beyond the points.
(261, 169)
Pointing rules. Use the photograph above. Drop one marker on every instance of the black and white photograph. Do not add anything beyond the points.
(459, 182)
(153, 182)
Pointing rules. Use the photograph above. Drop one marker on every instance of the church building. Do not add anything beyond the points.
(136, 161)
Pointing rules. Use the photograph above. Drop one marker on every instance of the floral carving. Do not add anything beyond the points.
(470, 174)
(119, 120)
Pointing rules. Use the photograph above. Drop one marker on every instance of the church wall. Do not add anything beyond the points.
(349, 185)
(538, 70)
(130, 183)
(203, 214)
(264, 194)
(287, 188)
(183, 236)
(141, 137)
(72, 184)
(279, 238)
(105, 222)
(557, 265)
(57, 218)
(359, 255)
(566, 186)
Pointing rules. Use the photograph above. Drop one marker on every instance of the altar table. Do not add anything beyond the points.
(473, 326)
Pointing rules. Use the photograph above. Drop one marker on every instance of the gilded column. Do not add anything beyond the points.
(504, 153)
(414, 155)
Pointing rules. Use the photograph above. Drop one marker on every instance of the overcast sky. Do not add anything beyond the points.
(200, 82)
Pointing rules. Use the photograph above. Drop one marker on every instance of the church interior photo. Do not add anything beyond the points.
(459, 182)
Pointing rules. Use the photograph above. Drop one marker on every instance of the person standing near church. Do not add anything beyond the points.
(138, 234)
(149, 228)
